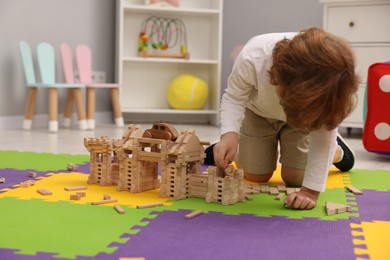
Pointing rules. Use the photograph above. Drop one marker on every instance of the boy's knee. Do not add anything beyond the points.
(292, 176)
(257, 177)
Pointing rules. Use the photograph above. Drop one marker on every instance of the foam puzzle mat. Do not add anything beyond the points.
(33, 226)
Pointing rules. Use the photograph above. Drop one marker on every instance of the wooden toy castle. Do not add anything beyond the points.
(133, 162)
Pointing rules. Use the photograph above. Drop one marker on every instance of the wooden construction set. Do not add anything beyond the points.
(132, 162)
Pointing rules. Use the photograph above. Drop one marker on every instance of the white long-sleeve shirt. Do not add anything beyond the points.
(249, 87)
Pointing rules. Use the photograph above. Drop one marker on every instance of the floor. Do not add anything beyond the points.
(71, 141)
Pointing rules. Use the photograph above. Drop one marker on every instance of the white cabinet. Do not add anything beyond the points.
(144, 80)
(365, 24)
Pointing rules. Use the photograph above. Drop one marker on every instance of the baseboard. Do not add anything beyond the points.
(41, 121)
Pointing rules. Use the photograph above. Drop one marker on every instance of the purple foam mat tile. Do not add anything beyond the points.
(13, 177)
(373, 205)
(11, 254)
(83, 168)
(361, 246)
(217, 236)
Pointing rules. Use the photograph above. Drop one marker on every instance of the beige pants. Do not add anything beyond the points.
(260, 139)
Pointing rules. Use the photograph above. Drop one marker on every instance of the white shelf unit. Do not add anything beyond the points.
(144, 81)
(364, 23)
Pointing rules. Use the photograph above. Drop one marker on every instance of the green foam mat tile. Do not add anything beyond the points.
(39, 161)
(67, 229)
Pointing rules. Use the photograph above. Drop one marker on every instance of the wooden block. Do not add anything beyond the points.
(119, 209)
(104, 201)
(290, 190)
(27, 184)
(354, 190)
(247, 197)
(273, 191)
(151, 205)
(81, 194)
(75, 197)
(44, 192)
(264, 188)
(194, 214)
(106, 196)
(282, 188)
(335, 208)
(73, 188)
(280, 196)
(256, 187)
(32, 174)
(2, 180)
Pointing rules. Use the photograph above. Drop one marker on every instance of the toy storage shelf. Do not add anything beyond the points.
(144, 80)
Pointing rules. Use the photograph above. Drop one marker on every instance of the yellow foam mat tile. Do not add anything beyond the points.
(372, 235)
(57, 182)
(335, 178)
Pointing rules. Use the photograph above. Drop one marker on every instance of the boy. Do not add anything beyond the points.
(288, 90)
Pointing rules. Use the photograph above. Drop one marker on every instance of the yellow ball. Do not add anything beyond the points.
(187, 92)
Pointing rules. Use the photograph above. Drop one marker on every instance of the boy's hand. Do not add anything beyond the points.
(304, 199)
(225, 150)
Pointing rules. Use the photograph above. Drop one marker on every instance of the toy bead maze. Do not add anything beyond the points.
(160, 37)
(110, 204)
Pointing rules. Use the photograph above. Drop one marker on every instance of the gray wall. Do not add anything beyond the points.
(93, 22)
(56, 21)
(243, 19)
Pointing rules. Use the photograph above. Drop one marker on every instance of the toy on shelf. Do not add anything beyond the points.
(163, 3)
(131, 163)
(187, 92)
(159, 35)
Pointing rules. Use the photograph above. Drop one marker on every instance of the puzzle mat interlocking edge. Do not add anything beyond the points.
(33, 226)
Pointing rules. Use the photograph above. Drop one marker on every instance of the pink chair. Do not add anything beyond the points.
(67, 65)
(84, 65)
(46, 64)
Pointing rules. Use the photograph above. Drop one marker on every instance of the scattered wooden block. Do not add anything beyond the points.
(71, 167)
(2, 180)
(44, 192)
(119, 209)
(75, 197)
(32, 174)
(273, 191)
(27, 184)
(73, 188)
(282, 188)
(256, 187)
(335, 208)
(104, 201)
(354, 190)
(194, 214)
(151, 205)
(247, 197)
(106, 196)
(264, 188)
(280, 196)
(81, 194)
(290, 190)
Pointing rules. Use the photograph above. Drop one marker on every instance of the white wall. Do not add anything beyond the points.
(243, 19)
(73, 21)
(93, 22)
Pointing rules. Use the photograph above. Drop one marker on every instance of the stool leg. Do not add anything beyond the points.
(53, 109)
(116, 107)
(30, 106)
(80, 108)
(91, 108)
(68, 108)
